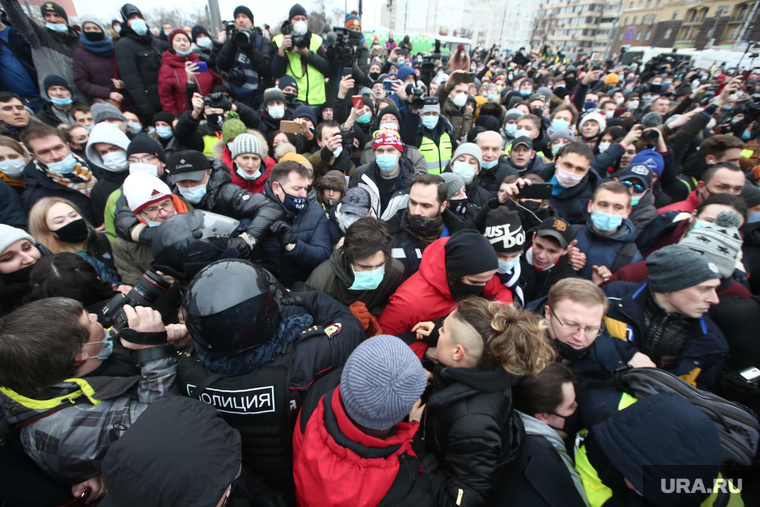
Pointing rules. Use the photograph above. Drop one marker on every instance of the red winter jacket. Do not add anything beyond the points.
(329, 472)
(172, 82)
(425, 295)
(254, 186)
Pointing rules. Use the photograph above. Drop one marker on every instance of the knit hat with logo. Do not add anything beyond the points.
(388, 137)
(143, 189)
(676, 267)
(719, 242)
(505, 231)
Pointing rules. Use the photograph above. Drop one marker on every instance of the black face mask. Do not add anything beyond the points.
(215, 120)
(72, 232)
(569, 352)
(374, 75)
(531, 205)
(18, 276)
(290, 98)
(458, 206)
(94, 36)
(460, 290)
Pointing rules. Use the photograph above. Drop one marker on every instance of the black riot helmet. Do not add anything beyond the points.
(230, 307)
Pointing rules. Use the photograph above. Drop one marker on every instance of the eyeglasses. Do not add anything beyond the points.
(592, 331)
(637, 188)
(148, 159)
(166, 206)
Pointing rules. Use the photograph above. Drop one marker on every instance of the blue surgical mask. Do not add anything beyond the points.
(139, 26)
(491, 96)
(746, 135)
(105, 353)
(510, 129)
(152, 224)
(364, 119)
(65, 166)
(753, 217)
(61, 102)
(507, 266)
(194, 195)
(367, 280)
(726, 107)
(13, 167)
(183, 53)
(117, 29)
(525, 93)
(556, 148)
(558, 124)
(635, 199)
(164, 132)
(135, 127)
(606, 222)
(57, 27)
(491, 164)
(463, 170)
(203, 42)
(386, 162)
(294, 204)
(429, 122)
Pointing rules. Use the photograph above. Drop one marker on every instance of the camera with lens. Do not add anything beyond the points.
(299, 41)
(348, 138)
(340, 49)
(235, 76)
(416, 91)
(218, 100)
(145, 293)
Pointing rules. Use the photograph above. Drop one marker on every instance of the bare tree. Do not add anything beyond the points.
(176, 16)
(319, 15)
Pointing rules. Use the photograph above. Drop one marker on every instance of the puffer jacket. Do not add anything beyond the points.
(52, 52)
(93, 74)
(172, 82)
(471, 427)
(312, 236)
(603, 250)
(367, 176)
(139, 60)
(335, 276)
(426, 295)
(572, 204)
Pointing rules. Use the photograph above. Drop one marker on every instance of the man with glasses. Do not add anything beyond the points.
(574, 313)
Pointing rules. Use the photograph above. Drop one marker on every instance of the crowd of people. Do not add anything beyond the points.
(293, 266)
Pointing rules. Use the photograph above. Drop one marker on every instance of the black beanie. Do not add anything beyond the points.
(144, 144)
(488, 122)
(114, 22)
(198, 30)
(53, 80)
(296, 10)
(504, 231)
(128, 10)
(163, 116)
(390, 109)
(55, 8)
(244, 10)
(469, 253)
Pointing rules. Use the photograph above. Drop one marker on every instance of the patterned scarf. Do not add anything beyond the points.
(12, 131)
(80, 179)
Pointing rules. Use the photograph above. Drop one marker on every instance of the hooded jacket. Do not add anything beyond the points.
(172, 82)
(367, 177)
(603, 250)
(643, 213)
(111, 180)
(426, 295)
(471, 427)
(335, 276)
(138, 58)
(312, 241)
(572, 203)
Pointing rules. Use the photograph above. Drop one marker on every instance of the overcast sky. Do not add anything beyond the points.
(264, 12)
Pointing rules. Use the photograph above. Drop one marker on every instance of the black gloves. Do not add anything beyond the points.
(243, 244)
(281, 229)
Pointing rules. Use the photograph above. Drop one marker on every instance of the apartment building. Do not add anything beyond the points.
(576, 26)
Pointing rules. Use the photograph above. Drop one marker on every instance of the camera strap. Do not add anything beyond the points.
(138, 338)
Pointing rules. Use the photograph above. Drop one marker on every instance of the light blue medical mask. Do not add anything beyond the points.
(605, 222)
(491, 164)
(193, 194)
(367, 280)
(698, 224)
(753, 217)
(61, 102)
(135, 127)
(510, 129)
(386, 162)
(429, 122)
(525, 93)
(203, 42)
(726, 107)
(65, 166)
(183, 53)
(746, 135)
(107, 343)
(556, 148)
(139, 26)
(151, 223)
(463, 170)
(364, 119)
(57, 27)
(164, 132)
(635, 199)
(560, 124)
(491, 96)
(507, 266)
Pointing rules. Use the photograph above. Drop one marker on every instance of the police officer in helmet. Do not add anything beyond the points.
(256, 353)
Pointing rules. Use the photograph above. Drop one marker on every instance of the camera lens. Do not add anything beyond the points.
(148, 289)
(242, 38)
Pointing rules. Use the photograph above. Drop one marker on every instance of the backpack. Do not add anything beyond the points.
(737, 425)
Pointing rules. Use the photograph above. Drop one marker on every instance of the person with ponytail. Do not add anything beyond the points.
(484, 348)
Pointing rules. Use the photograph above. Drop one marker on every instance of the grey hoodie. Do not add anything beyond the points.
(535, 427)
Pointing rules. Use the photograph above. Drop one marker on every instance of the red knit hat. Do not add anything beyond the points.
(388, 137)
(176, 32)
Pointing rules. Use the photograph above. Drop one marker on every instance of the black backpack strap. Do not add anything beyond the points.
(202, 386)
(625, 256)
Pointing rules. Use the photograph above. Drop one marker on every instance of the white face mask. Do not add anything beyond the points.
(143, 168)
(460, 99)
(300, 28)
(391, 126)
(247, 176)
(116, 161)
(276, 112)
(603, 147)
(13, 168)
(521, 133)
(566, 179)
(634, 104)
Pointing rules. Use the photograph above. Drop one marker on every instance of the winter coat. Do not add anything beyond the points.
(739, 319)
(254, 186)
(48, 117)
(172, 82)
(312, 242)
(335, 463)
(93, 74)
(704, 352)
(39, 185)
(413, 154)
(259, 60)
(11, 212)
(139, 60)
(491, 179)
(191, 134)
(460, 118)
(368, 176)
(110, 182)
(131, 259)
(572, 203)
(335, 276)
(71, 444)
(689, 204)
(52, 52)
(643, 213)
(343, 163)
(603, 250)
(426, 295)
(471, 427)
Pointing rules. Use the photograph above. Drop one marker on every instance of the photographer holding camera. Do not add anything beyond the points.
(246, 57)
(300, 55)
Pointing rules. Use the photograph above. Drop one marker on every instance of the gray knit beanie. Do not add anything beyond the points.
(246, 143)
(9, 235)
(430, 108)
(469, 149)
(719, 242)
(676, 267)
(453, 184)
(106, 111)
(381, 382)
(272, 95)
(513, 114)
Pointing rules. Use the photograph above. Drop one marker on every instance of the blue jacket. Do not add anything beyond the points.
(312, 234)
(706, 348)
(38, 185)
(11, 212)
(572, 204)
(603, 250)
